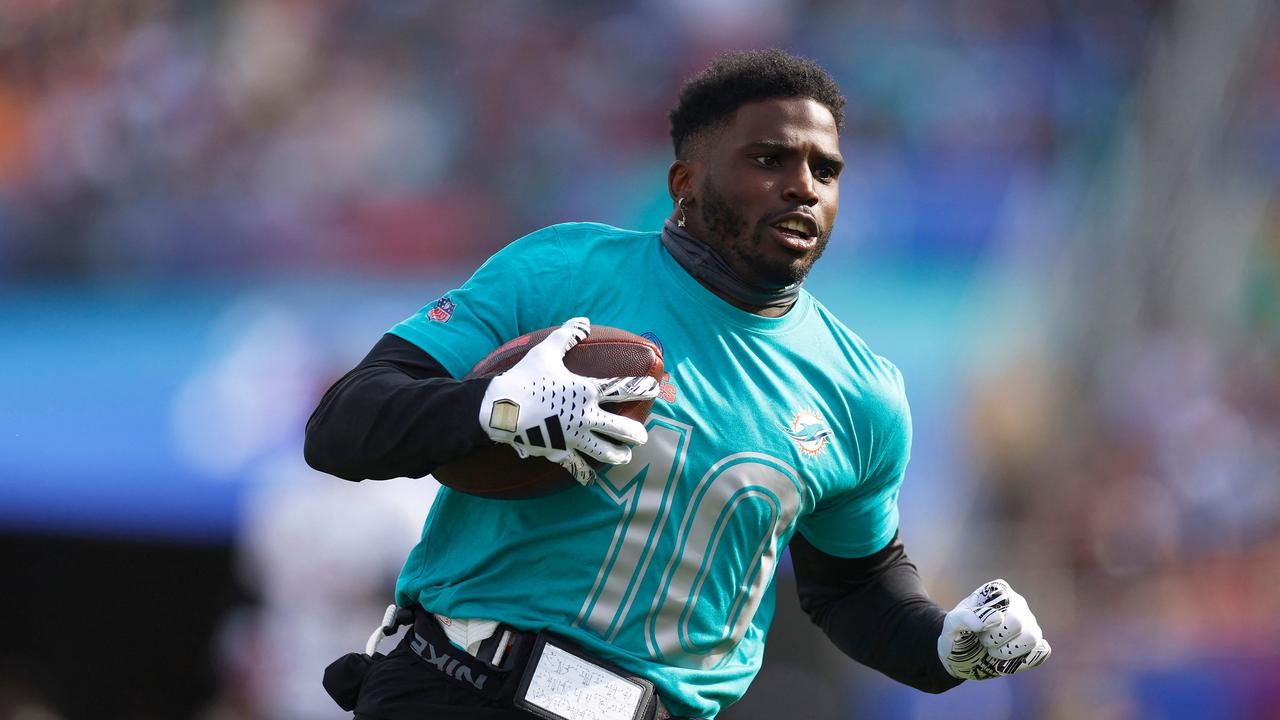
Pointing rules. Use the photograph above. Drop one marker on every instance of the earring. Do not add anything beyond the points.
(680, 207)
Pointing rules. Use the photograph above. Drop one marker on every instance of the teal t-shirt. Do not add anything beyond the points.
(765, 427)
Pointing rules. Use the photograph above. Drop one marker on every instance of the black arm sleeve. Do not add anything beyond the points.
(397, 414)
(875, 610)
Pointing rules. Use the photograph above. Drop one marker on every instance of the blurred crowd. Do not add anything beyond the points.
(1129, 472)
(160, 137)
(1129, 450)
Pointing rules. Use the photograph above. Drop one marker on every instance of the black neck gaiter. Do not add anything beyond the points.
(707, 267)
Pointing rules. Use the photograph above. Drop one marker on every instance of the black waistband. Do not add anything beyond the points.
(497, 681)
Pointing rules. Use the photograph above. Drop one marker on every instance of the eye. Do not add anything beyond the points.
(827, 174)
(769, 161)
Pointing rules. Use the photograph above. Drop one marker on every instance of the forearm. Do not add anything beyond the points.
(398, 413)
(875, 610)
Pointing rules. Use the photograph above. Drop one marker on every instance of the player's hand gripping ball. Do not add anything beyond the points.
(561, 399)
(990, 634)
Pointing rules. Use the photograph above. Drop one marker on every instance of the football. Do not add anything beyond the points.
(496, 471)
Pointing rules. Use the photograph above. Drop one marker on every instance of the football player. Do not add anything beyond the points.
(776, 427)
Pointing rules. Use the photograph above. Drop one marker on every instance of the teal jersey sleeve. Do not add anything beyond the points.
(524, 287)
(863, 519)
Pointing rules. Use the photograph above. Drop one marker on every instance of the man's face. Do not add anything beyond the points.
(767, 189)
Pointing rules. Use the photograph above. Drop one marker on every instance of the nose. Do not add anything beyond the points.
(800, 186)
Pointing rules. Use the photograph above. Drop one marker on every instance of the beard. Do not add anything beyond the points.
(726, 232)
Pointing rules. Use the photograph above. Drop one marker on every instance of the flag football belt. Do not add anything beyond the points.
(553, 677)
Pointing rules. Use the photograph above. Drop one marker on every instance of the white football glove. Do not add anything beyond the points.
(990, 634)
(542, 409)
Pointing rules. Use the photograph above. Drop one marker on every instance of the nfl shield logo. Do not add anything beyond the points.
(443, 310)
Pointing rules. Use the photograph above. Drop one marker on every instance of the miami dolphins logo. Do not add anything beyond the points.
(809, 431)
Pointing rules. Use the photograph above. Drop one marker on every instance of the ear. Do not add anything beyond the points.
(680, 180)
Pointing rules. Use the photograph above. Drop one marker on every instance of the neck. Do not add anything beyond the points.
(712, 272)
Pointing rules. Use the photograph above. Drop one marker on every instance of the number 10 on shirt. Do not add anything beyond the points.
(729, 526)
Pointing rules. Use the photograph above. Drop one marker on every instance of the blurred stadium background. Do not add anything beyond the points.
(1060, 219)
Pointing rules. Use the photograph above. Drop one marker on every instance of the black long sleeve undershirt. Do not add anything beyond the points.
(396, 414)
(875, 610)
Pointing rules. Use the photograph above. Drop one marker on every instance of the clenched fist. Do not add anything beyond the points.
(990, 634)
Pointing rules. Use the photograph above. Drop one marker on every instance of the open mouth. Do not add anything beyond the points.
(797, 232)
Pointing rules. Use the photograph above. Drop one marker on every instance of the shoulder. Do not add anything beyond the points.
(873, 397)
(584, 236)
(871, 372)
(573, 240)
(873, 404)
(594, 253)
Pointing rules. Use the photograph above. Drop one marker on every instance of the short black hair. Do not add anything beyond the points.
(713, 96)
